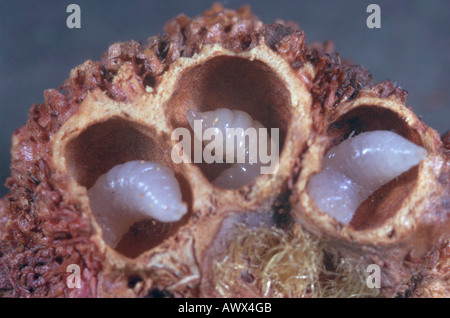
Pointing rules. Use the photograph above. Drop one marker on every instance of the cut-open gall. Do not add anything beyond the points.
(132, 192)
(357, 167)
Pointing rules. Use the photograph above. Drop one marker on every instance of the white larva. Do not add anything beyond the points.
(221, 119)
(132, 192)
(357, 167)
(239, 174)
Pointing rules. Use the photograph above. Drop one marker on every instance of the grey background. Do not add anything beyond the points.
(37, 50)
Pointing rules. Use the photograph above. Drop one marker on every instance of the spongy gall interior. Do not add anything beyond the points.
(233, 83)
(104, 145)
(381, 205)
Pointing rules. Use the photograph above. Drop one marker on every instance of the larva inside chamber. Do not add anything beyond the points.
(237, 139)
(369, 165)
(357, 167)
(227, 85)
(134, 195)
(132, 192)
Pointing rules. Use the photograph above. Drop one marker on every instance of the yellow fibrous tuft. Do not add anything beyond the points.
(272, 262)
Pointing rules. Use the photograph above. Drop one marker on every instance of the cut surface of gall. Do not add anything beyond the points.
(132, 192)
(357, 167)
(239, 140)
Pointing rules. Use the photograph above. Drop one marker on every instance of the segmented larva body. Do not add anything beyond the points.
(221, 119)
(240, 173)
(357, 167)
(132, 192)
